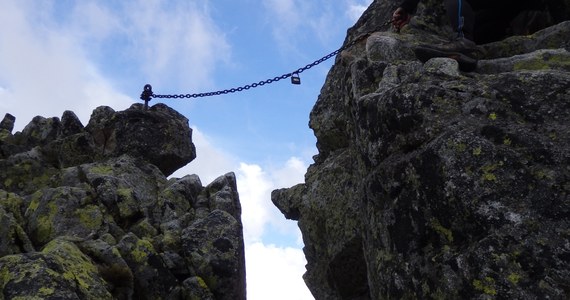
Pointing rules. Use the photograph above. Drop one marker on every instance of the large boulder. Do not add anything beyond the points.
(160, 135)
(435, 183)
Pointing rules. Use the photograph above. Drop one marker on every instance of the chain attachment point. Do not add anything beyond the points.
(146, 95)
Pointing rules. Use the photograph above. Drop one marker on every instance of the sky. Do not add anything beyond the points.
(58, 55)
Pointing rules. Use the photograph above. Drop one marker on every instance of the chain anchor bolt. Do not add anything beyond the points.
(146, 95)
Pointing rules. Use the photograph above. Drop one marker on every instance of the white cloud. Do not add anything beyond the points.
(210, 162)
(286, 18)
(285, 10)
(45, 72)
(254, 189)
(94, 22)
(322, 24)
(290, 174)
(295, 21)
(255, 186)
(356, 8)
(275, 273)
(177, 42)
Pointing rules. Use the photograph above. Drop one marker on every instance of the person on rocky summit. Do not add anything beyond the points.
(478, 21)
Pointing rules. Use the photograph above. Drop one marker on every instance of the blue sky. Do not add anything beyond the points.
(58, 55)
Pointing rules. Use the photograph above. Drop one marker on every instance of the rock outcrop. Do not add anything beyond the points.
(431, 183)
(87, 212)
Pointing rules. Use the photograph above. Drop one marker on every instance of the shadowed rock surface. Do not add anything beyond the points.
(87, 213)
(431, 183)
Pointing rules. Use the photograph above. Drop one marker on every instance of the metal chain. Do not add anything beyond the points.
(147, 93)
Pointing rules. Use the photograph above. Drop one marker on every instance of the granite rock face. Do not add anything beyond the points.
(87, 212)
(432, 183)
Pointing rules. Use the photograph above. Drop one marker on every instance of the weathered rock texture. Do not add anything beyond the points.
(87, 213)
(431, 183)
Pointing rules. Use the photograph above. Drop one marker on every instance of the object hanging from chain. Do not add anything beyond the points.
(147, 93)
(295, 79)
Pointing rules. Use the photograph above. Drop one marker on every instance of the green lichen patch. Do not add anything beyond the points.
(196, 289)
(46, 291)
(24, 278)
(488, 170)
(489, 177)
(201, 282)
(37, 276)
(8, 182)
(171, 239)
(78, 269)
(90, 217)
(543, 174)
(477, 151)
(5, 135)
(44, 229)
(444, 232)
(143, 248)
(486, 285)
(42, 226)
(144, 229)
(460, 147)
(12, 203)
(5, 274)
(547, 61)
(25, 177)
(35, 202)
(514, 278)
(62, 211)
(125, 193)
(101, 170)
(126, 203)
(553, 136)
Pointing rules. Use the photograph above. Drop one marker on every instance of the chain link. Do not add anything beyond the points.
(148, 94)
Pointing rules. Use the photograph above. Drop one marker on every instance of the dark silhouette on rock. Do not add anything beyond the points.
(87, 213)
(432, 183)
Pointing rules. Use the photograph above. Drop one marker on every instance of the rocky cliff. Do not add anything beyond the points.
(87, 212)
(432, 183)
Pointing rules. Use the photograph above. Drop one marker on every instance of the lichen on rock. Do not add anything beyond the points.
(432, 183)
(87, 212)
